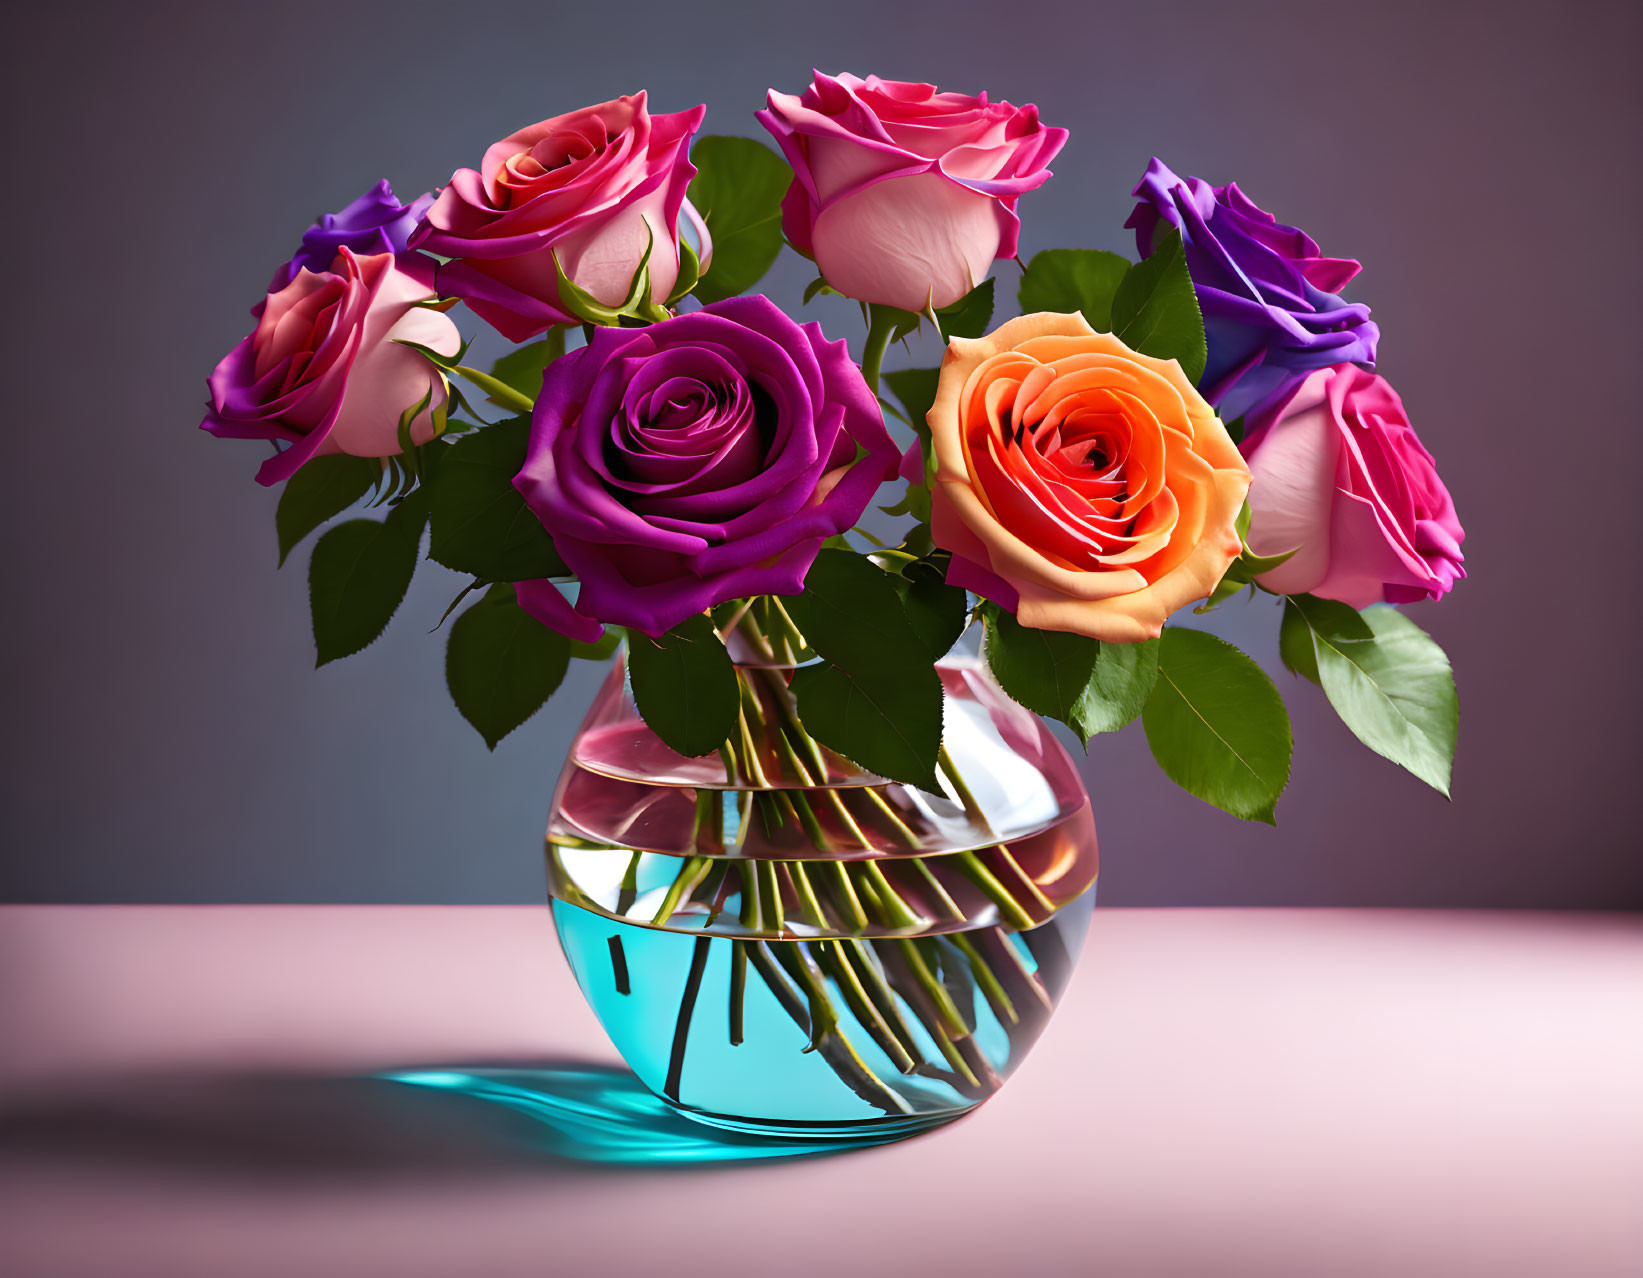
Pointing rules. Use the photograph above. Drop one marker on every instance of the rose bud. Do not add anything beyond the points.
(324, 369)
(903, 195)
(1340, 478)
(595, 196)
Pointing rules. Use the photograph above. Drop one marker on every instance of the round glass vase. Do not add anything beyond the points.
(780, 943)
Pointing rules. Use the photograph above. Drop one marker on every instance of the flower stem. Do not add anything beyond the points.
(989, 983)
(738, 990)
(881, 323)
(694, 871)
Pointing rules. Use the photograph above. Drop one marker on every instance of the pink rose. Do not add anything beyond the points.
(324, 370)
(903, 195)
(593, 188)
(1340, 475)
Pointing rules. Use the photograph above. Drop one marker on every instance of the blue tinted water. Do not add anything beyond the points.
(665, 999)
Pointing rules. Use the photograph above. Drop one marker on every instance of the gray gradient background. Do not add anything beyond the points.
(165, 736)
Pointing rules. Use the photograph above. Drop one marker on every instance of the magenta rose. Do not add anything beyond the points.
(903, 195)
(1340, 478)
(324, 370)
(593, 189)
(698, 460)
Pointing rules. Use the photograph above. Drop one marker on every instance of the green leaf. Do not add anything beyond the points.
(481, 524)
(1068, 280)
(1295, 644)
(1119, 687)
(1217, 726)
(1389, 682)
(1088, 685)
(1235, 429)
(501, 664)
(521, 369)
(970, 315)
(851, 614)
(359, 573)
(878, 701)
(738, 190)
(884, 719)
(1155, 310)
(685, 686)
(916, 389)
(937, 612)
(322, 489)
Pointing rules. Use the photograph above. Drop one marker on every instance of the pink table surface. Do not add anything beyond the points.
(1267, 1093)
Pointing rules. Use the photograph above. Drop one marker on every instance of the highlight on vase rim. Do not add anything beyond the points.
(669, 471)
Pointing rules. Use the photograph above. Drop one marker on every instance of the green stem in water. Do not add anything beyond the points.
(838, 1053)
(738, 989)
(809, 905)
(965, 797)
(943, 898)
(771, 888)
(859, 957)
(996, 892)
(850, 903)
(937, 993)
(751, 919)
(694, 871)
(896, 910)
(889, 813)
(855, 996)
(881, 323)
(984, 977)
(630, 885)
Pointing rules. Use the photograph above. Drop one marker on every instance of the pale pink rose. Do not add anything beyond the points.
(903, 195)
(1340, 478)
(325, 370)
(591, 188)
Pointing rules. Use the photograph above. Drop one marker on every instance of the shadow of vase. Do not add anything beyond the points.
(600, 1114)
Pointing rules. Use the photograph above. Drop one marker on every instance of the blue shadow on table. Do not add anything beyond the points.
(602, 1115)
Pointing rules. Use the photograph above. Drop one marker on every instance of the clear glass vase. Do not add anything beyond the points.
(782, 944)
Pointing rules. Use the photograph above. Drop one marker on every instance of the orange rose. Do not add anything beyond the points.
(1085, 486)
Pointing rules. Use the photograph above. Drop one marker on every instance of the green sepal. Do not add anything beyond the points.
(967, 317)
(690, 271)
(521, 369)
(636, 305)
(499, 392)
(816, 287)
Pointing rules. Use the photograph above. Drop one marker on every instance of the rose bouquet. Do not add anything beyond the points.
(787, 761)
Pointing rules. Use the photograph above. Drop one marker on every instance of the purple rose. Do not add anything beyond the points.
(374, 223)
(1271, 315)
(698, 460)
